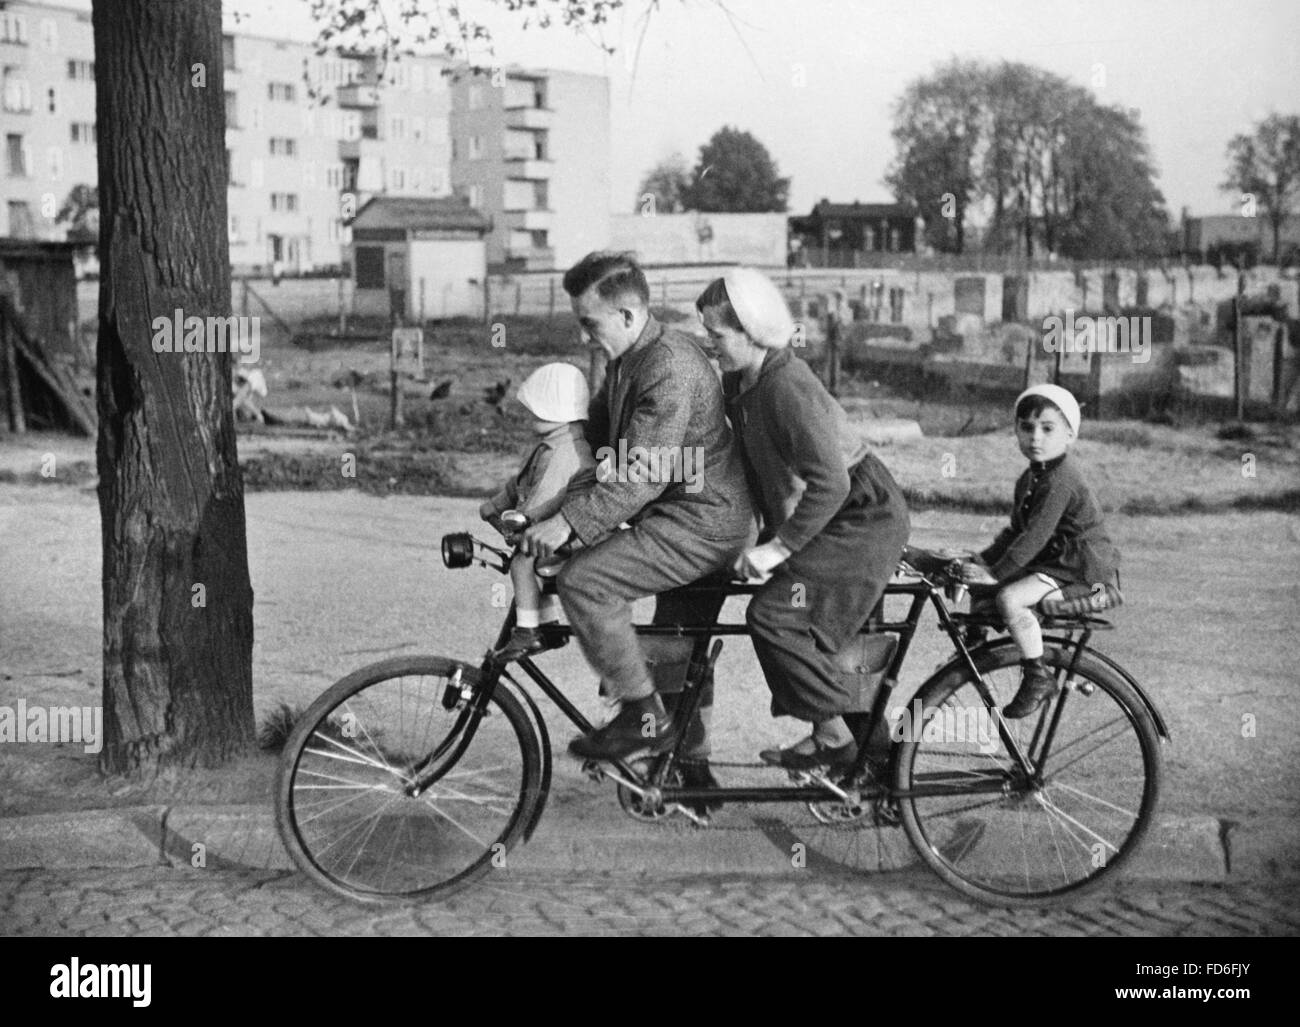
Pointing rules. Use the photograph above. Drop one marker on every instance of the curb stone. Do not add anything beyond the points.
(1178, 848)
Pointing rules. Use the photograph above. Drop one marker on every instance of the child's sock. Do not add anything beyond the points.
(550, 610)
(525, 616)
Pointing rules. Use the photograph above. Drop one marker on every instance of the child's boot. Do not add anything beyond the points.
(1037, 685)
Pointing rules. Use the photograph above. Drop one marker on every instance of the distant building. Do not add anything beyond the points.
(852, 234)
(531, 150)
(1207, 237)
(311, 138)
(418, 258)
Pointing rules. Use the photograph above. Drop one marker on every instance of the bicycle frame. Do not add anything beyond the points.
(810, 787)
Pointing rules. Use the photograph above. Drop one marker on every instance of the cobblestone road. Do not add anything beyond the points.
(208, 902)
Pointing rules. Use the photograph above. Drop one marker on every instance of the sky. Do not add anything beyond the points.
(815, 80)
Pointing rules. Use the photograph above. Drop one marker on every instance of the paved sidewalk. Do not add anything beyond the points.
(186, 902)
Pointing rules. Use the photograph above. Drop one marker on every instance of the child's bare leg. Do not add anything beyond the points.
(1015, 603)
(527, 592)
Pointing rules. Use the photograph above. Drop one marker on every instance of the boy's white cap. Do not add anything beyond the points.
(1058, 397)
(759, 306)
(556, 392)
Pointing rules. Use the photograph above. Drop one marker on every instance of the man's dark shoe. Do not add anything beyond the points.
(1037, 685)
(836, 759)
(638, 728)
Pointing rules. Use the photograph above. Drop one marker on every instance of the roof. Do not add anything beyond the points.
(826, 209)
(420, 214)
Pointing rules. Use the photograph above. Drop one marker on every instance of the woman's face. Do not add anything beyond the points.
(733, 350)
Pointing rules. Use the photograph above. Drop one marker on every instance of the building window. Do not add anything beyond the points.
(286, 203)
(475, 147)
(370, 267)
(334, 176)
(54, 161)
(20, 220)
(283, 147)
(281, 92)
(81, 71)
(232, 110)
(15, 156)
(475, 195)
(454, 148)
(397, 179)
(228, 52)
(17, 92)
(82, 132)
(52, 100)
(397, 127)
(13, 29)
(50, 34)
(255, 116)
(233, 228)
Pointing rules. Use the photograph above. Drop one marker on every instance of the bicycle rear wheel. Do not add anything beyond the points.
(342, 805)
(1007, 840)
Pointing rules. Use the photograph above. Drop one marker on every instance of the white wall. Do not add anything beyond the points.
(758, 239)
(580, 183)
(453, 271)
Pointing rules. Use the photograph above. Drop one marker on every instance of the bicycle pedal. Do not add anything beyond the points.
(594, 770)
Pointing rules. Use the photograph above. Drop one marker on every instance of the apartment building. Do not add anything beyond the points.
(311, 138)
(47, 115)
(530, 149)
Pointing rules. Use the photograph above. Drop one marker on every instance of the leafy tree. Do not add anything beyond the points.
(665, 183)
(1048, 164)
(80, 212)
(735, 173)
(938, 123)
(1265, 165)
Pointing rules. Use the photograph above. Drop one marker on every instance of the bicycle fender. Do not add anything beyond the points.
(539, 725)
(994, 645)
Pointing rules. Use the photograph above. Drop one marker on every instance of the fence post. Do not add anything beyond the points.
(1238, 351)
(519, 295)
(550, 310)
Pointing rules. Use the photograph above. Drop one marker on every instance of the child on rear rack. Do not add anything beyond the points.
(557, 395)
(1056, 539)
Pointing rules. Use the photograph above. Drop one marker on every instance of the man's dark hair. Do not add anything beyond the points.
(614, 276)
(1033, 406)
(715, 297)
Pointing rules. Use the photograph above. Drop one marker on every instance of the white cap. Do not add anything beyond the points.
(759, 306)
(555, 392)
(1060, 398)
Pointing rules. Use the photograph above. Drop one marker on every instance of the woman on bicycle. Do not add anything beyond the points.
(834, 522)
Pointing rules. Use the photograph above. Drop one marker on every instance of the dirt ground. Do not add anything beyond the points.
(343, 579)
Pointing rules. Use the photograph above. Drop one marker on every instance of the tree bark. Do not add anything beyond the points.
(177, 658)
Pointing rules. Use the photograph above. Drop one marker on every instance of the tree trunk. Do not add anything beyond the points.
(178, 620)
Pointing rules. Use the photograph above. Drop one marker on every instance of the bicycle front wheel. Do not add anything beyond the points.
(1010, 839)
(343, 802)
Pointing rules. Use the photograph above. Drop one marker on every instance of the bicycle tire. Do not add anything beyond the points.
(322, 756)
(980, 856)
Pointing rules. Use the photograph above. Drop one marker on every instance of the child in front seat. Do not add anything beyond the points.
(1056, 538)
(557, 396)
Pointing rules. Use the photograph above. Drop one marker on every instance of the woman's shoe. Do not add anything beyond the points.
(840, 758)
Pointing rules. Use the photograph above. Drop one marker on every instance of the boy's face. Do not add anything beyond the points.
(1043, 436)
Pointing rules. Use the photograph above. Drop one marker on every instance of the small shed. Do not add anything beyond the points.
(851, 234)
(46, 378)
(416, 259)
